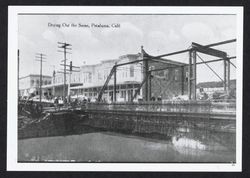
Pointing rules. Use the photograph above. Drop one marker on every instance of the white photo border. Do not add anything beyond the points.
(12, 139)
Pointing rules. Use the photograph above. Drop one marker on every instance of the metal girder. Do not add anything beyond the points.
(186, 50)
(138, 89)
(105, 84)
(166, 61)
(211, 61)
(208, 50)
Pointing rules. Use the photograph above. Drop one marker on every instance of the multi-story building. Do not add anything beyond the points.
(165, 83)
(57, 86)
(90, 79)
(94, 77)
(30, 85)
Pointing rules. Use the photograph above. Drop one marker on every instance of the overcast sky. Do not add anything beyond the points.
(159, 34)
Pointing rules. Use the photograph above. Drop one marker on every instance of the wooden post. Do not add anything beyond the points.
(64, 74)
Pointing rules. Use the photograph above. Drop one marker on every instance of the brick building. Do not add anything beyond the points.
(170, 82)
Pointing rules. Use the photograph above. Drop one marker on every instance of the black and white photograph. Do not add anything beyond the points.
(125, 88)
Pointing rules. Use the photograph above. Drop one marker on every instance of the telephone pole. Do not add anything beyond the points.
(40, 57)
(70, 72)
(53, 81)
(65, 47)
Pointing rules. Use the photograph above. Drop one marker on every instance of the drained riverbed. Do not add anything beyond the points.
(115, 147)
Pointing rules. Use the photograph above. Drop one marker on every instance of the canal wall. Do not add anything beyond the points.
(216, 133)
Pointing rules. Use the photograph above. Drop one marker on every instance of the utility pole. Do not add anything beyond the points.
(53, 81)
(65, 47)
(40, 58)
(54, 76)
(70, 72)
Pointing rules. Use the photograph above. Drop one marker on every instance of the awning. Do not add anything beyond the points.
(58, 85)
(98, 86)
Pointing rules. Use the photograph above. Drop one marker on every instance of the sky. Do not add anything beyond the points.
(158, 34)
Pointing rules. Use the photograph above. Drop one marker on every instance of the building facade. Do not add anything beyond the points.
(170, 82)
(29, 85)
(94, 77)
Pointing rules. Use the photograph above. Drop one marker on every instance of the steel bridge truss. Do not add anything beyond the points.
(192, 71)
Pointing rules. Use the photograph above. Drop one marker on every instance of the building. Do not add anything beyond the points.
(165, 83)
(129, 78)
(215, 86)
(90, 79)
(170, 82)
(57, 83)
(30, 85)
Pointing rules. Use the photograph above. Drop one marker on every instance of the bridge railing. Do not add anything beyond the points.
(168, 106)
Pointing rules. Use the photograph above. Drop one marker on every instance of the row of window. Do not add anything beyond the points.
(37, 82)
(122, 93)
(87, 77)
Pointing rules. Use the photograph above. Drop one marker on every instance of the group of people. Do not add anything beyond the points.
(68, 102)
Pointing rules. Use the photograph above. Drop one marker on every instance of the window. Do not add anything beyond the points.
(32, 82)
(186, 78)
(166, 74)
(176, 73)
(99, 76)
(90, 77)
(45, 83)
(37, 82)
(123, 94)
(132, 71)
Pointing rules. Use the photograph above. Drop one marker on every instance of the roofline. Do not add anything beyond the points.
(35, 75)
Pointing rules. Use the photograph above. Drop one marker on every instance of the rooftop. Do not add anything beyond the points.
(36, 75)
(215, 84)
